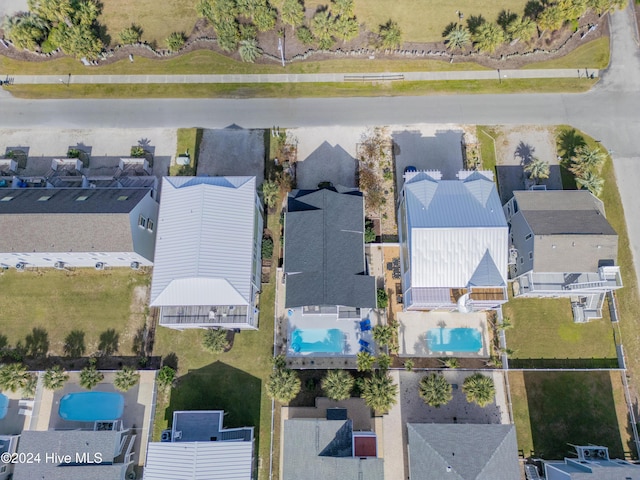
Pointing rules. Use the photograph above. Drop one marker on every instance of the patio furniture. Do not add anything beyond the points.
(25, 411)
(365, 325)
(363, 343)
(26, 403)
(390, 266)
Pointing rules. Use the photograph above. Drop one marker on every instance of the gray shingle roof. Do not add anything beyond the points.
(473, 452)
(318, 449)
(324, 250)
(70, 442)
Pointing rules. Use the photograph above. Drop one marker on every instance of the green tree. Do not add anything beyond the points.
(265, 18)
(215, 340)
(458, 37)
(175, 41)
(54, 11)
(383, 298)
(270, 192)
(228, 35)
(435, 390)
(126, 378)
(55, 378)
(522, 29)
(379, 392)
(346, 28)
(592, 182)
(86, 12)
(337, 384)
(383, 334)
(30, 385)
(323, 28)
(292, 13)
(587, 160)
(283, 385)
(537, 169)
(364, 361)
(488, 37)
(603, 6)
(13, 376)
(390, 35)
(479, 389)
(131, 35)
(90, 376)
(249, 50)
(384, 362)
(26, 31)
(551, 18)
(572, 9)
(304, 35)
(166, 377)
(343, 8)
(79, 41)
(369, 232)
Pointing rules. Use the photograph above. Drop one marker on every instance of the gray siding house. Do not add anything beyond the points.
(453, 242)
(207, 260)
(561, 245)
(593, 463)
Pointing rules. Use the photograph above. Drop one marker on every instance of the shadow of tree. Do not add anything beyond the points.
(474, 21)
(568, 142)
(139, 341)
(37, 343)
(170, 360)
(74, 345)
(109, 340)
(525, 152)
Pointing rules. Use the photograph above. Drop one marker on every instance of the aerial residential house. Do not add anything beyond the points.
(8, 444)
(329, 449)
(75, 455)
(453, 242)
(199, 447)
(462, 452)
(77, 227)
(563, 246)
(328, 289)
(592, 463)
(207, 260)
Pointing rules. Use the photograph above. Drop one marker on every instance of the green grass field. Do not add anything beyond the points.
(298, 90)
(87, 300)
(486, 137)
(594, 54)
(544, 328)
(552, 409)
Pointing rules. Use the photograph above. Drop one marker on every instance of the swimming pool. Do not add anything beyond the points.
(454, 340)
(91, 406)
(327, 340)
(4, 405)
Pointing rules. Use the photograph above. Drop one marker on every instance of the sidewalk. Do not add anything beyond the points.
(303, 78)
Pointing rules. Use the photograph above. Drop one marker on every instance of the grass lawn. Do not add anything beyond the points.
(157, 20)
(486, 137)
(544, 328)
(188, 141)
(297, 90)
(552, 409)
(594, 54)
(87, 300)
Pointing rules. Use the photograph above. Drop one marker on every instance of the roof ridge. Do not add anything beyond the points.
(495, 451)
(436, 452)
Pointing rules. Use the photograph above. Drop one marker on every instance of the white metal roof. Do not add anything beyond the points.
(204, 246)
(199, 461)
(458, 232)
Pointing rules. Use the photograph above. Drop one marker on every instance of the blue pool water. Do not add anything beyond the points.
(454, 340)
(327, 340)
(4, 405)
(91, 406)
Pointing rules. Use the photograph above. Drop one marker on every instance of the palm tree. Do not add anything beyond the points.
(364, 361)
(522, 29)
(379, 392)
(126, 379)
(458, 37)
(591, 182)
(450, 362)
(488, 37)
(249, 50)
(337, 384)
(346, 28)
(383, 334)
(13, 376)
(215, 340)
(166, 377)
(479, 389)
(90, 376)
(342, 8)
(30, 385)
(55, 378)
(323, 28)
(551, 18)
(384, 361)
(390, 35)
(587, 160)
(270, 193)
(537, 169)
(572, 9)
(435, 390)
(283, 385)
(292, 13)
(175, 41)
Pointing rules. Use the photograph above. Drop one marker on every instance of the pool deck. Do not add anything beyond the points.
(414, 326)
(138, 408)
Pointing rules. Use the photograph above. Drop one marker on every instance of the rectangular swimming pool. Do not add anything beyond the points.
(326, 340)
(454, 340)
(91, 406)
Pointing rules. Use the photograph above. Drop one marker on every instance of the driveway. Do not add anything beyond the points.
(9, 7)
(233, 151)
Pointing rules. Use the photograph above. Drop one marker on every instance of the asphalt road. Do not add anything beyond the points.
(610, 113)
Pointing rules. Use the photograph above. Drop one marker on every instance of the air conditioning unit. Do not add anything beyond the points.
(513, 256)
(59, 265)
(20, 266)
(135, 265)
(100, 266)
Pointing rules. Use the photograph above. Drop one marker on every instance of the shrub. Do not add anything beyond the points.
(176, 41)
(304, 35)
(137, 151)
(130, 35)
(126, 379)
(215, 340)
(55, 378)
(369, 233)
(166, 377)
(90, 376)
(383, 298)
(267, 247)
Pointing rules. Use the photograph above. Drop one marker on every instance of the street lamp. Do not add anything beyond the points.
(281, 49)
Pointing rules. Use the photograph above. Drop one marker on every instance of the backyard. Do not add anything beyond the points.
(554, 409)
(87, 300)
